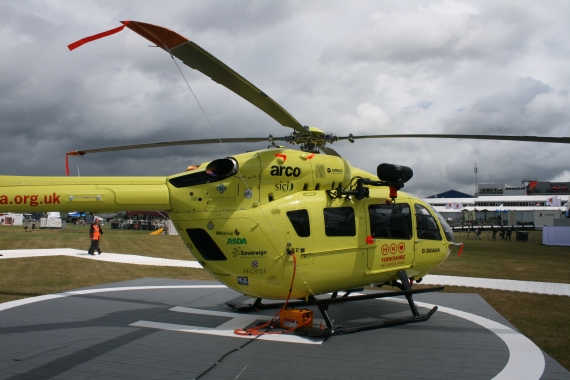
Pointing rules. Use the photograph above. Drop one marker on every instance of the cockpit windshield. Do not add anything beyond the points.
(446, 228)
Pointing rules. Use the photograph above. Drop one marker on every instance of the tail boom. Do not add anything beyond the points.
(95, 194)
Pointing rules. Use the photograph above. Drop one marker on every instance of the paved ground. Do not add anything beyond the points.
(487, 283)
(177, 329)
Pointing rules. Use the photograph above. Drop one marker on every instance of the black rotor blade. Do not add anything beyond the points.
(199, 59)
(328, 151)
(559, 140)
(176, 143)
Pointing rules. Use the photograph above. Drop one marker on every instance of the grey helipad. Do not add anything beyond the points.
(158, 329)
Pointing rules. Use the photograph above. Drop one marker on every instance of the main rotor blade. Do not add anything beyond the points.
(560, 140)
(197, 58)
(173, 143)
(328, 151)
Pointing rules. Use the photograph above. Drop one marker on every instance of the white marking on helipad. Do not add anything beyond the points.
(26, 301)
(219, 331)
(107, 257)
(239, 321)
(526, 360)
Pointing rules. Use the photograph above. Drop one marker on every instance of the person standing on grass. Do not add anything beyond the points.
(95, 234)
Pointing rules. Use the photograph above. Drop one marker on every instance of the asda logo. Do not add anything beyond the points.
(236, 241)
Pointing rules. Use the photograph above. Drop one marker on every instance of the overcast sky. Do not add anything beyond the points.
(361, 67)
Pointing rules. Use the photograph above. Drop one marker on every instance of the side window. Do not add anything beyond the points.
(427, 225)
(390, 221)
(339, 221)
(300, 221)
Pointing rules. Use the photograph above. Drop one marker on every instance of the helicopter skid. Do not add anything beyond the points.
(323, 304)
(318, 332)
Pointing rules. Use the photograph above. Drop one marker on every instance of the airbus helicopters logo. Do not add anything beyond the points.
(287, 171)
(238, 252)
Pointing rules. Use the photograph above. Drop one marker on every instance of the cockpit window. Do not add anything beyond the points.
(300, 221)
(447, 230)
(390, 221)
(427, 226)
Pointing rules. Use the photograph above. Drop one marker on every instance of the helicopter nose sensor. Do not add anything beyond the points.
(394, 173)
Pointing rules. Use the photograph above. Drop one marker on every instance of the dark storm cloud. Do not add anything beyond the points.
(431, 33)
(360, 67)
(532, 107)
(237, 17)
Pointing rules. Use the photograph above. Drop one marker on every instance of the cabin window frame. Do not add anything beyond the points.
(334, 218)
(300, 221)
(427, 226)
(392, 225)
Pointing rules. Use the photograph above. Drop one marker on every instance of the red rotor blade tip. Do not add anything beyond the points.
(94, 37)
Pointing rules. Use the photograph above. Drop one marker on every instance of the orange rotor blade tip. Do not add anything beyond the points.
(76, 153)
(97, 36)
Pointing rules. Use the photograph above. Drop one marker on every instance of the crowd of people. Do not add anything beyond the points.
(504, 233)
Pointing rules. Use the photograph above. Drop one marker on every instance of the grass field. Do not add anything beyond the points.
(544, 319)
(526, 261)
(116, 241)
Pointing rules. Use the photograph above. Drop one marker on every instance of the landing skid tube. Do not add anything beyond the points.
(323, 305)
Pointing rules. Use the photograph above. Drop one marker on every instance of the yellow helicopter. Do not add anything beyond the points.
(274, 223)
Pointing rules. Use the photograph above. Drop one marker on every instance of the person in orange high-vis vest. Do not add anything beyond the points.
(95, 234)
